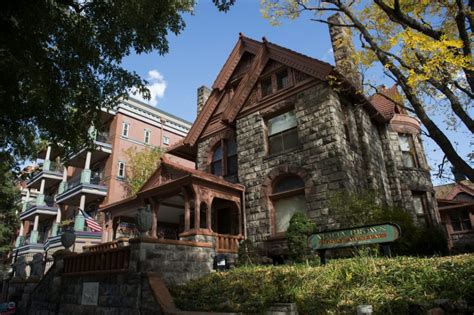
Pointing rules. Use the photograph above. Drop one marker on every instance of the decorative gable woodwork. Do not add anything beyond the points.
(162, 175)
(246, 63)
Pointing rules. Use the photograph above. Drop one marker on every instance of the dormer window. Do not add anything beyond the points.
(266, 86)
(275, 82)
(282, 79)
(224, 160)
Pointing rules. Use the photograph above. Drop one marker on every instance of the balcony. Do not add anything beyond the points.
(86, 183)
(102, 149)
(43, 206)
(51, 172)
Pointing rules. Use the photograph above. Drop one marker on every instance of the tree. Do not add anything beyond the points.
(9, 198)
(61, 63)
(141, 164)
(424, 46)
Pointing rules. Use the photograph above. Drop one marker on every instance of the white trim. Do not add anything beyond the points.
(125, 131)
(152, 121)
(147, 136)
(166, 140)
(121, 163)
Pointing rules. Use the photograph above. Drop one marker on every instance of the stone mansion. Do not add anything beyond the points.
(278, 134)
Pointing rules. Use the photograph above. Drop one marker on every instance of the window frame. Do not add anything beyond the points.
(125, 129)
(460, 220)
(424, 204)
(273, 197)
(147, 136)
(411, 150)
(272, 77)
(280, 133)
(166, 140)
(121, 168)
(223, 143)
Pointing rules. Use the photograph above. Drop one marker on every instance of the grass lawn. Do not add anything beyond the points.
(390, 285)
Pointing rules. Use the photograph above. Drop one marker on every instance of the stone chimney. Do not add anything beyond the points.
(344, 50)
(203, 93)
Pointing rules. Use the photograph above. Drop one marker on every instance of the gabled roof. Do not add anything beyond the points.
(182, 171)
(263, 51)
(450, 191)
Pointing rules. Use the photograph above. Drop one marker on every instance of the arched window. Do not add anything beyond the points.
(288, 198)
(224, 160)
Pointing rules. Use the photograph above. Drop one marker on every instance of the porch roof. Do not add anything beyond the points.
(161, 184)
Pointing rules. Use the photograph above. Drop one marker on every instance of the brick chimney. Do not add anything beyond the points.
(203, 93)
(344, 50)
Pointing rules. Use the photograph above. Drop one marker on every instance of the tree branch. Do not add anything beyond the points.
(466, 48)
(434, 131)
(396, 15)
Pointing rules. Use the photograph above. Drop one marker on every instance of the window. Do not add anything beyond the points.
(408, 150)
(224, 160)
(287, 198)
(266, 86)
(460, 221)
(282, 132)
(121, 170)
(420, 204)
(282, 79)
(125, 127)
(147, 136)
(166, 140)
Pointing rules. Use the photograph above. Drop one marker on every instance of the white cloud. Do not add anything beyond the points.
(327, 55)
(157, 86)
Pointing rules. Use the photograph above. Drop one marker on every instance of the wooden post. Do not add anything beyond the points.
(197, 211)
(187, 213)
(155, 205)
(208, 217)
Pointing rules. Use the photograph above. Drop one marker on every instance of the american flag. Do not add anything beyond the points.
(91, 223)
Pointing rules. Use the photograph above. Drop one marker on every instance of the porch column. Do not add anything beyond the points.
(88, 160)
(187, 212)
(197, 212)
(63, 184)
(27, 199)
(34, 233)
(48, 153)
(155, 206)
(20, 235)
(208, 216)
(79, 219)
(54, 229)
(240, 218)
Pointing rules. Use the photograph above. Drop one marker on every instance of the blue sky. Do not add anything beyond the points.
(197, 54)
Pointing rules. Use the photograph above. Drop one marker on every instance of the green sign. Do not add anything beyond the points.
(364, 235)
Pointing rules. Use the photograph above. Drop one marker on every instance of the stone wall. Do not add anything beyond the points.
(177, 263)
(320, 158)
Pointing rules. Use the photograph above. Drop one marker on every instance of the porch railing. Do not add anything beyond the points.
(228, 243)
(110, 260)
(104, 246)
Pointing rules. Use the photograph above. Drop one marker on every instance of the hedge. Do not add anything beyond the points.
(390, 285)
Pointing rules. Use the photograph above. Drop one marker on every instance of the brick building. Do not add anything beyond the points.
(89, 178)
(279, 133)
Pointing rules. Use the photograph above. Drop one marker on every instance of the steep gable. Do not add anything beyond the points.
(248, 60)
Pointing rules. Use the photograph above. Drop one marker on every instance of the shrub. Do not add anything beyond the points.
(297, 236)
(390, 285)
(361, 209)
(247, 254)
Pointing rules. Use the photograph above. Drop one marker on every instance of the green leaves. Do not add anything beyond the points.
(61, 63)
(390, 285)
